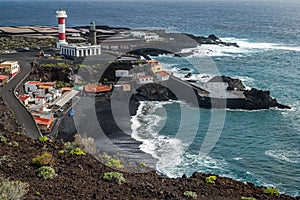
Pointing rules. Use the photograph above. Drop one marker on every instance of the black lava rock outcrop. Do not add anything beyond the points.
(233, 83)
(260, 99)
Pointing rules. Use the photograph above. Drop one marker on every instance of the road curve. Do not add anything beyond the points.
(22, 116)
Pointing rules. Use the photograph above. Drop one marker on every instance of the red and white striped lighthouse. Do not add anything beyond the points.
(61, 15)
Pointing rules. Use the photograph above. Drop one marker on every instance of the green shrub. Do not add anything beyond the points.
(106, 156)
(190, 194)
(69, 146)
(248, 198)
(142, 164)
(13, 190)
(46, 172)
(45, 159)
(272, 191)
(43, 139)
(17, 133)
(61, 152)
(3, 158)
(37, 193)
(13, 143)
(3, 139)
(77, 151)
(211, 179)
(114, 163)
(114, 177)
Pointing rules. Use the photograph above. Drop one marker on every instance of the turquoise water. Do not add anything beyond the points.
(259, 146)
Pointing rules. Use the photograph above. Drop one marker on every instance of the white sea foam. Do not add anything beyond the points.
(146, 125)
(238, 158)
(245, 46)
(291, 156)
(194, 162)
(214, 51)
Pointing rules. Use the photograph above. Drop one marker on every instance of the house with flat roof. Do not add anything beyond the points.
(126, 87)
(162, 76)
(80, 50)
(144, 79)
(3, 79)
(155, 66)
(32, 86)
(10, 67)
(97, 88)
(43, 123)
(121, 73)
(25, 99)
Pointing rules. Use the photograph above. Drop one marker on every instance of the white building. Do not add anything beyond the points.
(122, 73)
(144, 79)
(151, 37)
(80, 50)
(162, 76)
(40, 100)
(32, 86)
(147, 36)
(10, 67)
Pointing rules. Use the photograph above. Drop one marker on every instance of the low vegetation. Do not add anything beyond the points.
(44, 139)
(190, 194)
(46, 172)
(142, 164)
(13, 190)
(114, 163)
(272, 191)
(46, 159)
(211, 179)
(77, 151)
(13, 144)
(61, 152)
(114, 177)
(3, 139)
(248, 198)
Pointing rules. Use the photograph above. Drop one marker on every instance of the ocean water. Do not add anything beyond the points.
(262, 147)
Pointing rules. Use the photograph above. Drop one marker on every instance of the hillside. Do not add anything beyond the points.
(81, 177)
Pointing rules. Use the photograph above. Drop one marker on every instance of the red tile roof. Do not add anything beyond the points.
(97, 88)
(144, 76)
(34, 83)
(23, 97)
(3, 77)
(66, 89)
(49, 83)
(163, 73)
(43, 121)
(152, 61)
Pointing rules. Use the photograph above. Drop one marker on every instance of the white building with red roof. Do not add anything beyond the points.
(144, 79)
(162, 76)
(25, 99)
(32, 86)
(10, 67)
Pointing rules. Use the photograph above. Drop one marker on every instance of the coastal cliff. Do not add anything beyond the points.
(254, 99)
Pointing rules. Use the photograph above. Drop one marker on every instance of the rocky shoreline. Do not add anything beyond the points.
(255, 99)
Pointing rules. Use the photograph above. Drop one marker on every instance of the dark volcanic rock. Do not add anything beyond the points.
(262, 100)
(184, 69)
(232, 82)
(154, 92)
(211, 39)
(255, 99)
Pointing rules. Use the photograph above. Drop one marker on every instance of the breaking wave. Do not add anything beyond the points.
(291, 156)
(245, 47)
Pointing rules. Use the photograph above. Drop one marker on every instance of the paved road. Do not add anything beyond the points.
(20, 112)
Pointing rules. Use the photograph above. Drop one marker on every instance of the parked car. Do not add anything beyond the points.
(71, 113)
